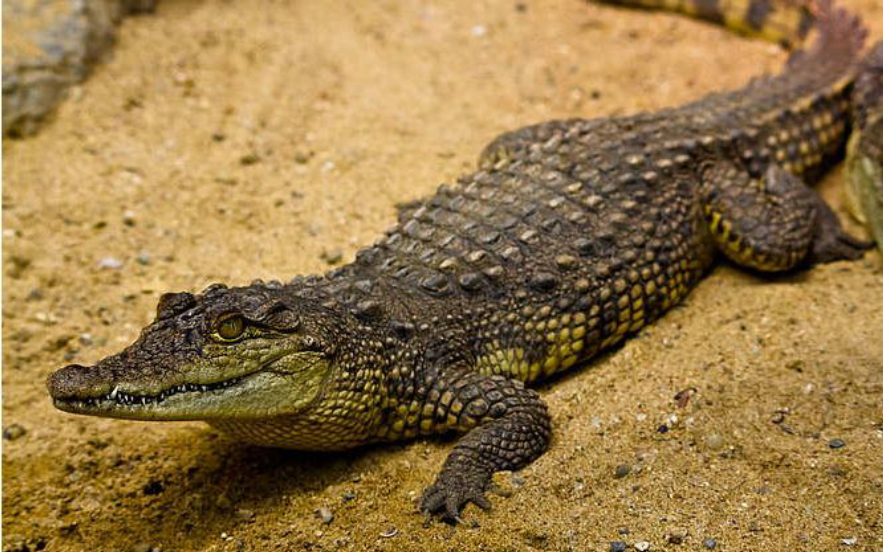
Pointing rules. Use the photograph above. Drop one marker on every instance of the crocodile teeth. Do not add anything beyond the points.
(123, 398)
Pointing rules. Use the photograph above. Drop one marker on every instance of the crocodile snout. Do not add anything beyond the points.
(75, 382)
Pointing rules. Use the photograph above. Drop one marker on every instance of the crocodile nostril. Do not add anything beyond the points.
(71, 381)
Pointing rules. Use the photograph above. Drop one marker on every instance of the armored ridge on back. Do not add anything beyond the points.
(572, 236)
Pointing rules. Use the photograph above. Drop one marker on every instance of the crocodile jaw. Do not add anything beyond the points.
(283, 386)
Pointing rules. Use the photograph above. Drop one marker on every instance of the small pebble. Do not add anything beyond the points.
(13, 432)
(349, 496)
(143, 259)
(618, 546)
(129, 218)
(86, 339)
(675, 539)
(153, 488)
(710, 544)
(662, 429)
(479, 30)
(836, 443)
(622, 470)
(389, 533)
(517, 480)
(849, 541)
(110, 262)
(143, 547)
(714, 441)
(249, 159)
(223, 501)
(332, 257)
(325, 515)
(35, 294)
(246, 515)
(642, 546)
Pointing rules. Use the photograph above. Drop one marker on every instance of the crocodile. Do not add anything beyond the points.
(864, 162)
(569, 237)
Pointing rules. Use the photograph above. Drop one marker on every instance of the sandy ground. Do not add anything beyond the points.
(226, 143)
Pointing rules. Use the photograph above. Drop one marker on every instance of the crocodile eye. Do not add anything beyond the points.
(231, 328)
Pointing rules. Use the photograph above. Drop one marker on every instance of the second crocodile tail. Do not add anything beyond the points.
(786, 22)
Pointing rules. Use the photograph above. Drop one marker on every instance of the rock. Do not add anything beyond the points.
(325, 515)
(153, 488)
(622, 470)
(18, 265)
(836, 443)
(110, 262)
(245, 515)
(618, 546)
(223, 502)
(249, 159)
(675, 538)
(642, 546)
(13, 432)
(710, 544)
(714, 441)
(332, 256)
(35, 294)
(49, 46)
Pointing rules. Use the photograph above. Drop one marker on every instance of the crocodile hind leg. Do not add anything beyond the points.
(774, 222)
(507, 427)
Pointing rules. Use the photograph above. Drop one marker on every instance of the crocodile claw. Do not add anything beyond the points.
(452, 491)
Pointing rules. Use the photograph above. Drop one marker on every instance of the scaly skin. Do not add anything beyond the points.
(864, 162)
(574, 235)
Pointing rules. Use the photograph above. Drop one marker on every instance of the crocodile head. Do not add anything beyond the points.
(240, 353)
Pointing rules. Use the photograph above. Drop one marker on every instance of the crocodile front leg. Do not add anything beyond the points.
(507, 426)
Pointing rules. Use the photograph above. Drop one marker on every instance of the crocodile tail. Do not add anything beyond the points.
(786, 22)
